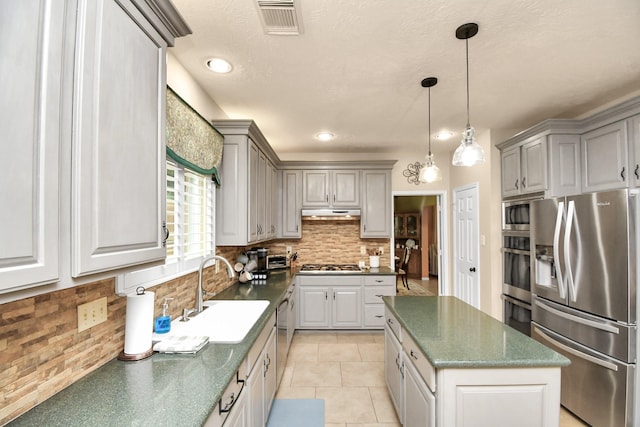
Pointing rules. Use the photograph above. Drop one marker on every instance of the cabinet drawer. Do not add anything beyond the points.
(393, 324)
(374, 315)
(329, 280)
(380, 280)
(419, 360)
(374, 295)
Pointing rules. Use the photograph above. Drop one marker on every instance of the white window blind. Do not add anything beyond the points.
(190, 220)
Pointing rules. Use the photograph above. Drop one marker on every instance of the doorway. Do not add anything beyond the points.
(419, 223)
(466, 248)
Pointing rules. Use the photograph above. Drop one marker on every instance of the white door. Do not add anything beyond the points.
(466, 284)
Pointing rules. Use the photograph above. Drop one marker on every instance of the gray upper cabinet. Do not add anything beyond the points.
(375, 221)
(605, 159)
(291, 204)
(564, 165)
(524, 168)
(245, 200)
(118, 178)
(32, 39)
(331, 188)
(634, 137)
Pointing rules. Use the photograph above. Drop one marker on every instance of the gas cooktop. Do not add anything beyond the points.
(330, 268)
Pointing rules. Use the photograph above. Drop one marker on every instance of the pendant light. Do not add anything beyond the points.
(469, 152)
(430, 172)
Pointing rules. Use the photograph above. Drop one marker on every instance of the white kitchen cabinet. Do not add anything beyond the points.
(605, 158)
(419, 401)
(118, 154)
(273, 202)
(564, 165)
(376, 287)
(261, 383)
(331, 188)
(393, 371)
(32, 77)
(244, 199)
(329, 302)
(634, 138)
(291, 204)
(375, 221)
(524, 168)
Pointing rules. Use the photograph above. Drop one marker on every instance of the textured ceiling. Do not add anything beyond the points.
(356, 69)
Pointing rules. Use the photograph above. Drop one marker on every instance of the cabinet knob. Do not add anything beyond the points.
(622, 173)
(166, 233)
(472, 269)
(636, 172)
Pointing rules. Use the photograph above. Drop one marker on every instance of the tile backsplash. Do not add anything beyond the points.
(42, 352)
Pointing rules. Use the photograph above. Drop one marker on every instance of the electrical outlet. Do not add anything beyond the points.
(381, 250)
(217, 264)
(289, 250)
(92, 313)
(363, 250)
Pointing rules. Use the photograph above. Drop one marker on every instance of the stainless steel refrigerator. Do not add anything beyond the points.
(585, 300)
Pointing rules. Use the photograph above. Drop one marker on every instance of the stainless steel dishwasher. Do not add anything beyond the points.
(285, 321)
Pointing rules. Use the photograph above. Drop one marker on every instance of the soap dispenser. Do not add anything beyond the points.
(163, 323)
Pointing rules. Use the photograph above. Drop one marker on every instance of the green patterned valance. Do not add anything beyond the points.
(191, 140)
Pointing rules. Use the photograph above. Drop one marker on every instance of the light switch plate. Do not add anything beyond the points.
(92, 313)
(363, 250)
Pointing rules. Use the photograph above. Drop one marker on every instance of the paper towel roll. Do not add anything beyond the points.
(138, 328)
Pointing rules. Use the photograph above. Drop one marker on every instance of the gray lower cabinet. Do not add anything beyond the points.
(342, 302)
(393, 371)
(419, 401)
(261, 384)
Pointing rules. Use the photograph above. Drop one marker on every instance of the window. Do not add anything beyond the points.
(190, 220)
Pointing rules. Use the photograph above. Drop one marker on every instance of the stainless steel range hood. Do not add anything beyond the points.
(331, 214)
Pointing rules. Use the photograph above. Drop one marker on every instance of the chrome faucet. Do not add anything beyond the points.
(199, 297)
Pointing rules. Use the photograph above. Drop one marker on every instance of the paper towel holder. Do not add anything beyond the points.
(140, 290)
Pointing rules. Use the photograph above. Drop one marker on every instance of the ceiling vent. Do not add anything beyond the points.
(279, 17)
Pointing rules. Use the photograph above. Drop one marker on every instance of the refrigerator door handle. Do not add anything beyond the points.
(556, 250)
(571, 212)
(577, 319)
(577, 353)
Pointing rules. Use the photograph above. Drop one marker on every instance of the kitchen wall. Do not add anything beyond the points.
(335, 242)
(42, 352)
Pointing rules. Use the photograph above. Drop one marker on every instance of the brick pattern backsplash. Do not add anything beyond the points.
(42, 352)
(331, 242)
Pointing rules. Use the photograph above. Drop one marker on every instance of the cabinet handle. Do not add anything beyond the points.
(379, 296)
(326, 198)
(622, 173)
(166, 233)
(297, 229)
(379, 316)
(326, 295)
(334, 295)
(232, 399)
(334, 198)
(636, 172)
(517, 188)
(390, 321)
(524, 182)
(413, 355)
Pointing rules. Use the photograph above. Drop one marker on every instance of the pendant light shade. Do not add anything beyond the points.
(469, 152)
(430, 172)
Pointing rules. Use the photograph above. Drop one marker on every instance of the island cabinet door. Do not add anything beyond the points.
(393, 370)
(419, 401)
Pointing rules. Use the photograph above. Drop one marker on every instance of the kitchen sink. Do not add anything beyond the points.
(223, 321)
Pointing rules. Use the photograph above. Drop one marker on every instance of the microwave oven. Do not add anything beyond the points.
(515, 215)
(277, 261)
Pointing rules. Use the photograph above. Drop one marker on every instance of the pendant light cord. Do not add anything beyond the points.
(467, 50)
(429, 128)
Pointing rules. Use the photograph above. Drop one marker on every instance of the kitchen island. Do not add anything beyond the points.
(447, 363)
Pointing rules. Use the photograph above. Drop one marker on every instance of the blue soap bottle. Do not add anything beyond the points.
(163, 323)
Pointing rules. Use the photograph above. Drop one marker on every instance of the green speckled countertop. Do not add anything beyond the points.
(453, 334)
(163, 390)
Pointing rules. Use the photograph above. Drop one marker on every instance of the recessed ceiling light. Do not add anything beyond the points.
(444, 135)
(325, 136)
(219, 65)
